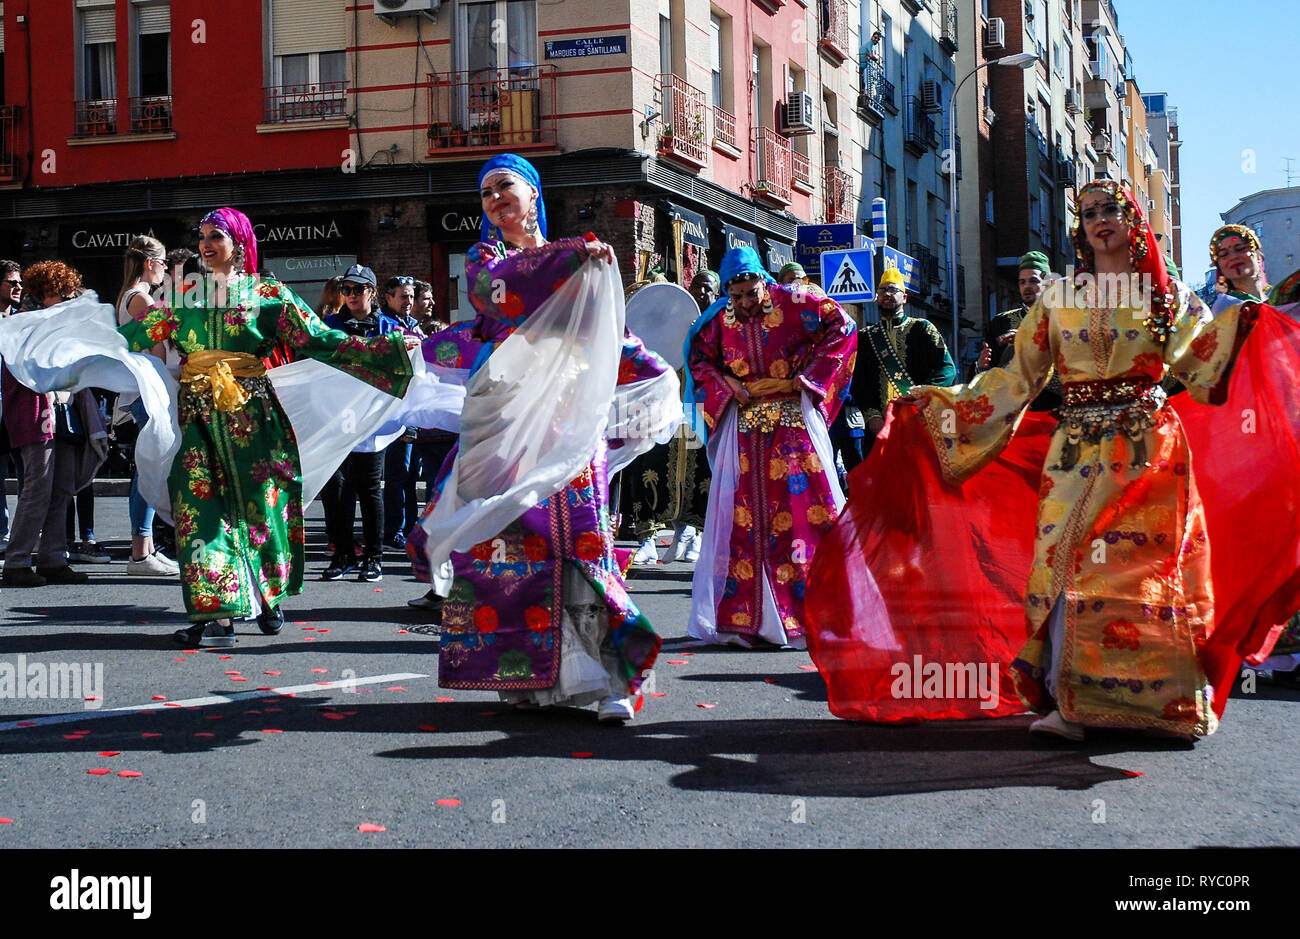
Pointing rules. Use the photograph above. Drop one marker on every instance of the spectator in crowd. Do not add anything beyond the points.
(401, 510)
(11, 298)
(331, 299)
(360, 476)
(1000, 334)
(61, 441)
(424, 312)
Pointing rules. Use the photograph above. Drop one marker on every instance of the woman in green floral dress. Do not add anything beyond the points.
(236, 484)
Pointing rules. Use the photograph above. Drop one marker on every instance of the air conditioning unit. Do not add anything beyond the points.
(797, 114)
(1072, 101)
(931, 96)
(1151, 205)
(996, 35)
(1128, 113)
(388, 10)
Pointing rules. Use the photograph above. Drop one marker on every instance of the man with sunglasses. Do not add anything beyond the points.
(11, 298)
(896, 353)
(360, 477)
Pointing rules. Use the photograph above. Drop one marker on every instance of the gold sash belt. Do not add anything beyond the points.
(766, 414)
(215, 371)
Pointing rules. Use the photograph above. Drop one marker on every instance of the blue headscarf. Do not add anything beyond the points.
(511, 163)
(738, 262)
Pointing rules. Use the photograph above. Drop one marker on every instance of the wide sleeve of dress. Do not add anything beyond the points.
(830, 366)
(971, 423)
(151, 326)
(507, 285)
(380, 361)
(1199, 349)
(712, 394)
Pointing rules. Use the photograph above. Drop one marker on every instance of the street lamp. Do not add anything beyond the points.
(1023, 60)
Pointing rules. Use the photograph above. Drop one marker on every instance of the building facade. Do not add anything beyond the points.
(350, 133)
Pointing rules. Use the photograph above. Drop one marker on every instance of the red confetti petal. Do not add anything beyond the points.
(298, 622)
(147, 712)
(582, 754)
(224, 658)
(181, 659)
(265, 688)
(149, 734)
(402, 632)
(214, 717)
(72, 736)
(348, 713)
(1132, 772)
(129, 773)
(204, 733)
(770, 681)
(487, 713)
(446, 801)
(332, 716)
(309, 628)
(159, 697)
(110, 752)
(685, 654)
(92, 697)
(322, 630)
(190, 651)
(238, 678)
(320, 671)
(324, 684)
(379, 590)
(171, 704)
(428, 727)
(308, 638)
(272, 710)
(678, 662)
(809, 668)
(271, 673)
(26, 724)
(394, 688)
(272, 730)
(444, 700)
(702, 704)
(6, 821)
(366, 826)
(250, 712)
(103, 771)
(657, 694)
(236, 672)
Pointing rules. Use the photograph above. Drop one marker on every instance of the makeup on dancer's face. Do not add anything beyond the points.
(753, 294)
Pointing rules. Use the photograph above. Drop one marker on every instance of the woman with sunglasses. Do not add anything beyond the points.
(1118, 625)
(536, 605)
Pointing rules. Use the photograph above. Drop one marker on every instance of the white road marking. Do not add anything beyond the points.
(48, 720)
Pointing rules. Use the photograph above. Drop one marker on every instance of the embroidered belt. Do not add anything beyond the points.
(767, 414)
(230, 377)
(1098, 410)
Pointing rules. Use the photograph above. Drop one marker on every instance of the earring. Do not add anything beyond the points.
(530, 225)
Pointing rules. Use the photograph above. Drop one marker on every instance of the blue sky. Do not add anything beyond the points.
(1230, 70)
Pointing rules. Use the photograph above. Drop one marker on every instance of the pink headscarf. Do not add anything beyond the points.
(236, 224)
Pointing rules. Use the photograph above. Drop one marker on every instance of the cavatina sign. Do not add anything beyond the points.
(109, 238)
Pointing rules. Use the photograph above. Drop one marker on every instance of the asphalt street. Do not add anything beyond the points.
(338, 724)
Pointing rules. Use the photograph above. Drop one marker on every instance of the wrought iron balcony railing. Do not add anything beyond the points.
(684, 115)
(724, 126)
(151, 114)
(772, 164)
(10, 164)
(839, 196)
(320, 101)
(95, 117)
(509, 108)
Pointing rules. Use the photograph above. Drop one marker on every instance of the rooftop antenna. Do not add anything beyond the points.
(1290, 176)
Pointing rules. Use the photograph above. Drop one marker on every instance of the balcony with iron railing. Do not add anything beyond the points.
(927, 263)
(10, 164)
(800, 171)
(839, 196)
(918, 134)
(833, 38)
(724, 127)
(877, 94)
(772, 165)
(151, 114)
(492, 109)
(684, 113)
(317, 101)
(94, 117)
(948, 26)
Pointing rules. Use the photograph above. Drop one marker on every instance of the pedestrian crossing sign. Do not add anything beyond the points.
(847, 276)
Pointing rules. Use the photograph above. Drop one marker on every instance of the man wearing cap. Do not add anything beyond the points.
(793, 275)
(1000, 334)
(898, 352)
(359, 478)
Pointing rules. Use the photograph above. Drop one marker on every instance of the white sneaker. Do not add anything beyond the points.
(693, 551)
(615, 710)
(647, 553)
(1058, 726)
(685, 536)
(155, 565)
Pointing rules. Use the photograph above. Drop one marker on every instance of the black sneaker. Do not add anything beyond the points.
(340, 564)
(371, 570)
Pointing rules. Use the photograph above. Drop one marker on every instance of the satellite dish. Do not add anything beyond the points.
(660, 315)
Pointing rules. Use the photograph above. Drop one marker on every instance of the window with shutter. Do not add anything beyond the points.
(152, 66)
(308, 61)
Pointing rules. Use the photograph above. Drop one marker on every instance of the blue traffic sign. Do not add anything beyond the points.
(847, 276)
(892, 257)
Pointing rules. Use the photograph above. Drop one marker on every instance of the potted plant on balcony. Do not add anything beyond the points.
(438, 134)
(457, 137)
